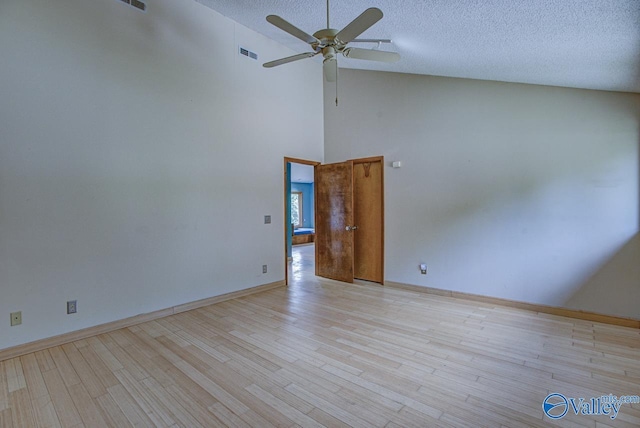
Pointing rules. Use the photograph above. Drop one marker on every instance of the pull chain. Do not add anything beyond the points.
(336, 84)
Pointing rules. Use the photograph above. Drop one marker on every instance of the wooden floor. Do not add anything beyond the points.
(323, 353)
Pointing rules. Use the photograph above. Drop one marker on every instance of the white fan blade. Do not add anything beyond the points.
(291, 29)
(289, 59)
(330, 67)
(371, 55)
(359, 25)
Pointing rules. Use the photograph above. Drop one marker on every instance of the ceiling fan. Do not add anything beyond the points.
(330, 42)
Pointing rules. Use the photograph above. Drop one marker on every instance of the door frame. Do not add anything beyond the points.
(284, 190)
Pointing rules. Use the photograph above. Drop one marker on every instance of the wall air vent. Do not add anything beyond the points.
(248, 53)
(137, 4)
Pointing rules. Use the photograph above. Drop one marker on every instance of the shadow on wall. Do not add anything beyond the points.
(617, 283)
(615, 288)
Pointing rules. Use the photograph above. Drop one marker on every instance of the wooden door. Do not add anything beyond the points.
(368, 206)
(334, 218)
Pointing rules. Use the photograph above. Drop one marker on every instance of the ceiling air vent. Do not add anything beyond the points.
(137, 4)
(248, 53)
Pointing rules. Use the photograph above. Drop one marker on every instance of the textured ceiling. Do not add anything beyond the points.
(592, 44)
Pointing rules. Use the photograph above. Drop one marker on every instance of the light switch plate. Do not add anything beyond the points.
(267, 219)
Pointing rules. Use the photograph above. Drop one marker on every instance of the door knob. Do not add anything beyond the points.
(354, 227)
(350, 228)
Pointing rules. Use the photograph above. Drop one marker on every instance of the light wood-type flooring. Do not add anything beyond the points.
(323, 353)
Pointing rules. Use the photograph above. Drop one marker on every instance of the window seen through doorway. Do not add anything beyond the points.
(296, 209)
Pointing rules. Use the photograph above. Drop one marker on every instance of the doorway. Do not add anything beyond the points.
(299, 218)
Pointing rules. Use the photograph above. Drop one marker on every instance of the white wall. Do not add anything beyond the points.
(138, 155)
(515, 191)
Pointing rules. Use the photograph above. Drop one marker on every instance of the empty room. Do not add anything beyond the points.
(301, 214)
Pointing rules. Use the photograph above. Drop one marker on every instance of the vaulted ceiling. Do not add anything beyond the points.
(592, 44)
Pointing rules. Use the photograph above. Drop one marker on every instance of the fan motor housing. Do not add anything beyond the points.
(327, 37)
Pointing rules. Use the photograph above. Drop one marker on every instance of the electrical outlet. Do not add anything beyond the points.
(264, 268)
(72, 307)
(16, 318)
(423, 269)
